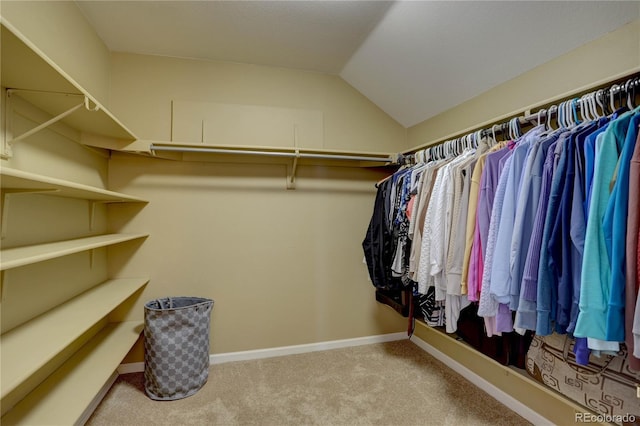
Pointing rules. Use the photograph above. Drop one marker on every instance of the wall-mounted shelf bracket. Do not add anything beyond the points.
(4, 206)
(3, 282)
(92, 212)
(9, 140)
(291, 171)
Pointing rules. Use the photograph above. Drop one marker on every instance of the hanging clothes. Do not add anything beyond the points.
(632, 259)
(596, 270)
(539, 233)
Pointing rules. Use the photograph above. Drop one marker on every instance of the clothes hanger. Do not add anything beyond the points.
(591, 106)
(593, 110)
(514, 125)
(539, 116)
(627, 89)
(594, 106)
(570, 116)
(584, 108)
(574, 109)
(561, 116)
(493, 134)
(612, 96)
(600, 100)
(567, 114)
(550, 117)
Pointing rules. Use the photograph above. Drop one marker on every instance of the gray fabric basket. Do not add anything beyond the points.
(176, 346)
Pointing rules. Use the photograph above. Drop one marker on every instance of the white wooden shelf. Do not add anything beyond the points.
(18, 180)
(33, 344)
(20, 256)
(24, 68)
(64, 396)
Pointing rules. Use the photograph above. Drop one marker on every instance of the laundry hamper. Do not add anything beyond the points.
(176, 346)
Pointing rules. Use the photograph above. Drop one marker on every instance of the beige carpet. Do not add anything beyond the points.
(383, 384)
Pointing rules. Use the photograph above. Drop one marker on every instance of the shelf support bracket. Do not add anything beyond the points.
(91, 256)
(4, 204)
(86, 103)
(92, 212)
(3, 282)
(291, 171)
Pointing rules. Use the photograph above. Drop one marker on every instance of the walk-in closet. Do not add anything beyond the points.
(406, 212)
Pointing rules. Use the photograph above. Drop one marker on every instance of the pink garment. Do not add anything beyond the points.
(633, 254)
(410, 206)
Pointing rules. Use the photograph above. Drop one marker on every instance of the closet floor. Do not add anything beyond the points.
(392, 383)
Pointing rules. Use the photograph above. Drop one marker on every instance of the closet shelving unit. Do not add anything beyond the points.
(55, 364)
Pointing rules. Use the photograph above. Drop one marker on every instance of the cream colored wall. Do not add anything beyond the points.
(283, 266)
(60, 32)
(610, 55)
(145, 86)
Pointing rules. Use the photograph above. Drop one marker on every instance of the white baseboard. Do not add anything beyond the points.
(299, 349)
(506, 399)
(132, 367)
(137, 367)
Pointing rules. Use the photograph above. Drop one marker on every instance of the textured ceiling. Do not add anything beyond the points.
(414, 59)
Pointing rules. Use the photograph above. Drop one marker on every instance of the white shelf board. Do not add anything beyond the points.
(13, 179)
(23, 68)
(21, 256)
(29, 347)
(63, 397)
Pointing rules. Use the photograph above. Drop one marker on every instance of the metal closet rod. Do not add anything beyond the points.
(606, 94)
(153, 148)
(622, 84)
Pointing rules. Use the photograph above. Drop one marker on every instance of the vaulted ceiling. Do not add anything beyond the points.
(414, 59)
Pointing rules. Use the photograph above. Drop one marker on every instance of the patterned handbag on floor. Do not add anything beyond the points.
(606, 386)
(176, 346)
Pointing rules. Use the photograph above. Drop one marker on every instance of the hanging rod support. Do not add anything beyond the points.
(291, 171)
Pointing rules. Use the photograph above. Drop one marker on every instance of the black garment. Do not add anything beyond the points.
(508, 349)
(379, 243)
